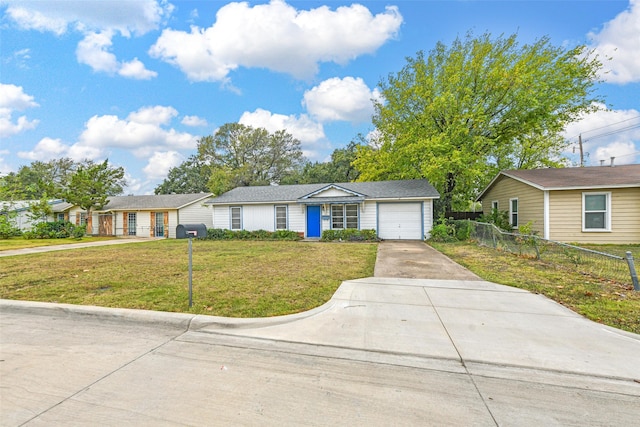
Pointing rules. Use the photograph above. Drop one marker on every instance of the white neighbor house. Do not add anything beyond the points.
(395, 209)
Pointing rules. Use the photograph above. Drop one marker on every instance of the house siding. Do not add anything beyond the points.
(427, 218)
(368, 214)
(565, 217)
(530, 202)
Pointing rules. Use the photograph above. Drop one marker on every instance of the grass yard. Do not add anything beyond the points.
(603, 301)
(230, 278)
(20, 243)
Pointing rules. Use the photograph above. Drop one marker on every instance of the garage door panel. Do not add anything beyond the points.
(402, 221)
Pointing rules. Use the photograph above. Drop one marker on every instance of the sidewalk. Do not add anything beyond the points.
(41, 249)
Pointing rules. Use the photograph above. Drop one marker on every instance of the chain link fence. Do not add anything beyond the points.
(594, 263)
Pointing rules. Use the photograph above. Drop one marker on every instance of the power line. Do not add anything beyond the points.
(606, 126)
(613, 132)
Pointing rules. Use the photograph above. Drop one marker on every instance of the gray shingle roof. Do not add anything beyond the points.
(418, 188)
(160, 201)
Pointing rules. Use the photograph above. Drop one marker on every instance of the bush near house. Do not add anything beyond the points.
(55, 230)
(349, 235)
(8, 228)
(223, 234)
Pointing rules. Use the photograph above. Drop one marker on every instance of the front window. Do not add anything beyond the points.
(344, 216)
(596, 212)
(236, 218)
(494, 206)
(60, 217)
(281, 217)
(513, 212)
(83, 218)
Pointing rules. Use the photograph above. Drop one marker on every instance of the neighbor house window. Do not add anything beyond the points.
(83, 218)
(344, 216)
(494, 206)
(596, 208)
(281, 217)
(60, 217)
(236, 218)
(513, 212)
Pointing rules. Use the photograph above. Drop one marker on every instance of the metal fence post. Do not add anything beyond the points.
(632, 270)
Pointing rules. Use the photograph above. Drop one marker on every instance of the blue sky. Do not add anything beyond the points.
(138, 82)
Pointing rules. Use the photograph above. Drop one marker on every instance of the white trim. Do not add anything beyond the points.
(546, 214)
(511, 212)
(275, 217)
(607, 227)
(231, 208)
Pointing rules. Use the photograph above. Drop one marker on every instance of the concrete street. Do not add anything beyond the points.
(395, 349)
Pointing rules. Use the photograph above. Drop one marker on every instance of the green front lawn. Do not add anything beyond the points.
(230, 278)
(21, 243)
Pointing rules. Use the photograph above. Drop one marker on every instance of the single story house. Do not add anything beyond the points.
(395, 209)
(598, 204)
(144, 216)
(21, 210)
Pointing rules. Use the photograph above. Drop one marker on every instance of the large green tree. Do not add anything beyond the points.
(462, 113)
(92, 183)
(191, 176)
(38, 180)
(240, 155)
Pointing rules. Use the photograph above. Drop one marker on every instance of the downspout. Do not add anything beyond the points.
(546, 214)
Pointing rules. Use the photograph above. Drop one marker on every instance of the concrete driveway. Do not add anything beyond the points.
(383, 351)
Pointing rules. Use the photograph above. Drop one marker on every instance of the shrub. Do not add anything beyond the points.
(349, 235)
(8, 227)
(55, 230)
(443, 231)
(463, 230)
(499, 218)
(224, 234)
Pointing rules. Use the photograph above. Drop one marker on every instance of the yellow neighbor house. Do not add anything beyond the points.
(572, 205)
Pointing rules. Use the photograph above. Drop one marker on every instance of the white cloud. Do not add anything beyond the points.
(302, 128)
(57, 16)
(142, 132)
(606, 134)
(135, 69)
(310, 134)
(619, 40)
(160, 163)
(94, 51)
(348, 99)
(45, 150)
(278, 37)
(13, 98)
(4, 166)
(99, 21)
(194, 121)
(157, 115)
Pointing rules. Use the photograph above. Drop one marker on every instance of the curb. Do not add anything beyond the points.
(184, 321)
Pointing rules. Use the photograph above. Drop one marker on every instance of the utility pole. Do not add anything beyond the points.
(581, 153)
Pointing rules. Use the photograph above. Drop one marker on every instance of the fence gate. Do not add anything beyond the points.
(105, 225)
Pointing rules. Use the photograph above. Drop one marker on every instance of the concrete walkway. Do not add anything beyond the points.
(383, 351)
(67, 246)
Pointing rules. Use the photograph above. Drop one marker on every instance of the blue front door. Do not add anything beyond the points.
(313, 221)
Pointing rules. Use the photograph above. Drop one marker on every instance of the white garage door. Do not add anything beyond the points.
(401, 221)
